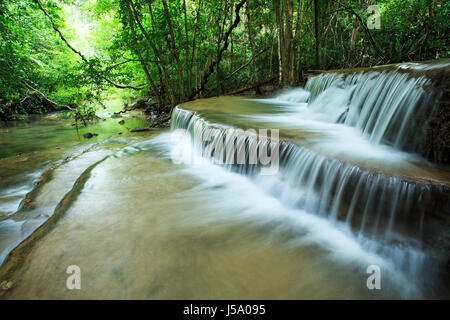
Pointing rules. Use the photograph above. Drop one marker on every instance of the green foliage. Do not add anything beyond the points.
(414, 30)
(83, 113)
(31, 52)
(165, 47)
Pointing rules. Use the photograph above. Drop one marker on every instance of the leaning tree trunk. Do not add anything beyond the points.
(141, 60)
(176, 55)
(316, 33)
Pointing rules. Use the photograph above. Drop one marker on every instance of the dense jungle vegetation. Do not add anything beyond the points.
(71, 54)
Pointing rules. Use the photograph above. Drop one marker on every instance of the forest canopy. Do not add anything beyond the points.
(69, 53)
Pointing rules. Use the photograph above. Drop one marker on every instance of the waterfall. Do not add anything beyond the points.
(400, 213)
(325, 186)
(387, 214)
(388, 107)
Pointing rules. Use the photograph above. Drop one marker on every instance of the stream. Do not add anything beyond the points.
(350, 192)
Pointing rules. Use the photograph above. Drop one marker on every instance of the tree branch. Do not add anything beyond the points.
(240, 68)
(44, 96)
(77, 52)
(221, 51)
(130, 60)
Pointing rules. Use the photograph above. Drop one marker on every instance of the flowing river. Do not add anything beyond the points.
(350, 191)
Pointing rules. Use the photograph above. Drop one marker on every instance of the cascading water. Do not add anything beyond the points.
(325, 186)
(387, 107)
(400, 212)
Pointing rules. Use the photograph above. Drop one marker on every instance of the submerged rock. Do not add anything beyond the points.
(89, 135)
(121, 122)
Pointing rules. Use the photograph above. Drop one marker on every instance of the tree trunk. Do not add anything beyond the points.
(352, 39)
(251, 40)
(179, 68)
(211, 66)
(284, 12)
(191, 64)
(141, 59)
(316, 32)
(297, 49)
(157, 52)
(189, 74)
(288, 38)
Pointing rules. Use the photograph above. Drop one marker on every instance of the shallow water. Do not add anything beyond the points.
(41, 149)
